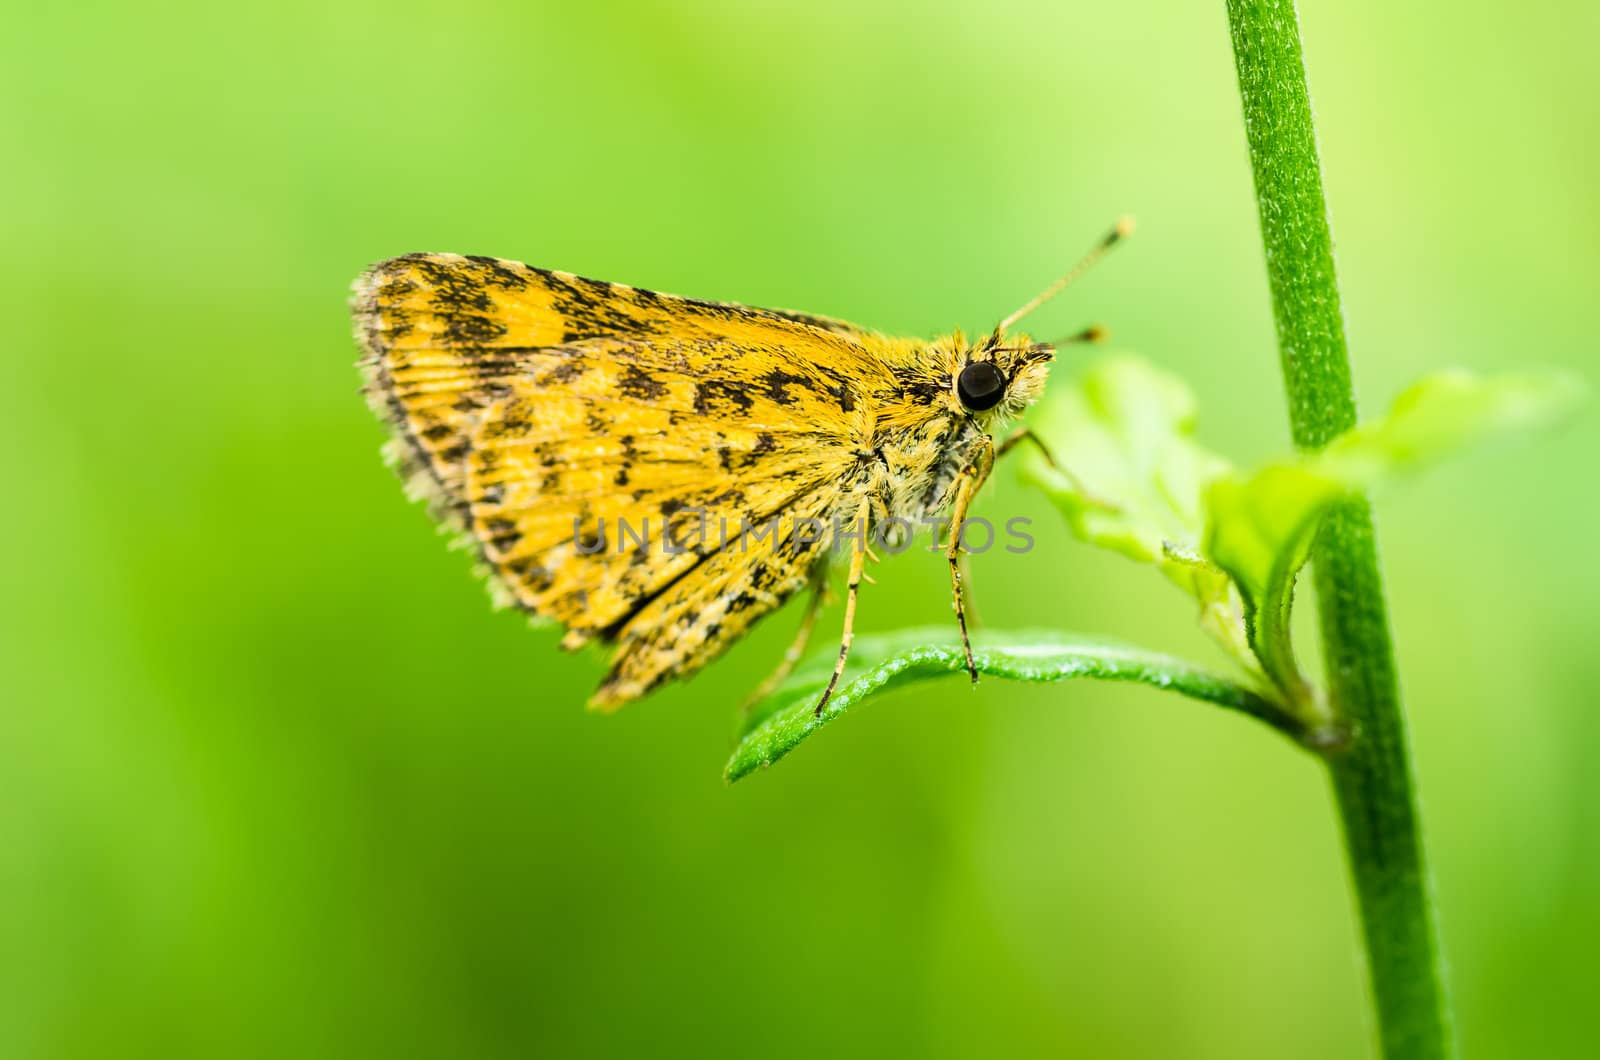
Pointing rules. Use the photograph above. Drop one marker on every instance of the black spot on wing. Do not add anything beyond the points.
(636, 383)
(648, 299)
(527, 569)
(455, 287)
(721, 397)
(395, 288)
(497, 273)
(743, 600)
(472, 329)
(593, 308)
(459, 293)
(502, 533)
(734, 458)
(563, 373)
(778, 383)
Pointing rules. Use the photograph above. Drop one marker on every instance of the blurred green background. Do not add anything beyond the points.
(275, 781)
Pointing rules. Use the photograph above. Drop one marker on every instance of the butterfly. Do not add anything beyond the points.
(593, 443)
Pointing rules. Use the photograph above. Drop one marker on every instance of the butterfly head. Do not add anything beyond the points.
(1000, 376)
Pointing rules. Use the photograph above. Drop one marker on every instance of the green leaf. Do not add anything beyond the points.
(1129, 476)
(879, 663)
(1262, 524)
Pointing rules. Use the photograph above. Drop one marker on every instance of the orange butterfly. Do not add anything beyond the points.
(658, 472)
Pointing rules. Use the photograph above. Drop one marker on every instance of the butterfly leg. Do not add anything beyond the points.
(968, 604)
(972, 476)
(808, 621)
(858, 562)
(1024, 434)
(1014, 439)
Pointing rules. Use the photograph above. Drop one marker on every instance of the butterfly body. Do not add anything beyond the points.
(549, 419)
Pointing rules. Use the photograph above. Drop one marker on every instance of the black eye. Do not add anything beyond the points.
(980, 386)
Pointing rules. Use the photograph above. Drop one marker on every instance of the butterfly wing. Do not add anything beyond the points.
(542, 413)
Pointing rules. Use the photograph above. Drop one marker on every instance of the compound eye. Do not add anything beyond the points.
(980, 386)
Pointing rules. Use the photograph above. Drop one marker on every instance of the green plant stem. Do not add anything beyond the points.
(1371, 778)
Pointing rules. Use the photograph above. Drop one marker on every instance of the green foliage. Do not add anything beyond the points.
(1128, 475)
(890, 661)
(1260, 526)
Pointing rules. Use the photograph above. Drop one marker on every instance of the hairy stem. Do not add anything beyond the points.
(1371, 778)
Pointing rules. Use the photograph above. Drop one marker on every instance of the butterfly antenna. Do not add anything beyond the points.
(1092, 334)
(1122, 229)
